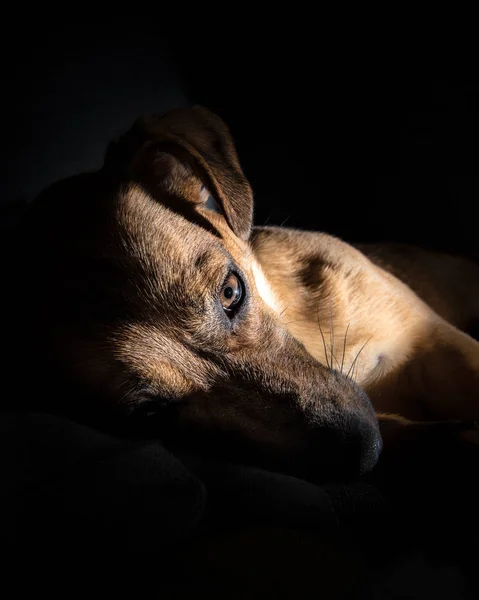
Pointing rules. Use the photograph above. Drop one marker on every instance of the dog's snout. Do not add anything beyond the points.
(359, 452)
(346, 439)
(350, 447)
(372, 445)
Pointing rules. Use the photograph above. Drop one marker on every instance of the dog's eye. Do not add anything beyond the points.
(231, 295)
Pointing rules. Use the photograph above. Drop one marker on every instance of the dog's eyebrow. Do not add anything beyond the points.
(213, 267)
(203, 259)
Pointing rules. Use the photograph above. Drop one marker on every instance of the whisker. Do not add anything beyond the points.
(290, 323)
(326, 349)
(355, 372)
(289, 305)
(124, 384)
(128, 393)
(250, 250)
(357, 356)
(324, 341)
(344, 347)
(337, 361)
(331, 329)
(268, 219)
(356, 363)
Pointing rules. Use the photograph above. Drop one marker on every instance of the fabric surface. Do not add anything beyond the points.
(67, 487)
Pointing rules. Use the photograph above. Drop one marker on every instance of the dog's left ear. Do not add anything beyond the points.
(197, 135)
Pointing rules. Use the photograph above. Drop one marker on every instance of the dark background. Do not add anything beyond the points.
(369, 137)
(359, 131)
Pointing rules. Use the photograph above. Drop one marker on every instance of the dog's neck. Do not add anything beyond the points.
(320, 300)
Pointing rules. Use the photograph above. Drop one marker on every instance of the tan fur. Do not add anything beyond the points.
(125, 268)
(407, 357)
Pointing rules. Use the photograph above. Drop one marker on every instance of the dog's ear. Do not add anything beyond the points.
(166, 148)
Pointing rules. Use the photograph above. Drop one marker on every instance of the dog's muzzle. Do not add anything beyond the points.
(342, 438)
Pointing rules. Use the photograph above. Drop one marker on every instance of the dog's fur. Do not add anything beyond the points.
(125, 270)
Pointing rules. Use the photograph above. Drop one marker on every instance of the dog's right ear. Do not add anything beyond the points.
(164, 150)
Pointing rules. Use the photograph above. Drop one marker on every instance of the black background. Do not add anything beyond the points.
(366, 135)
(342, 125)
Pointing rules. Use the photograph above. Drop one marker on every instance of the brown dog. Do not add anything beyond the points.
(150, 290)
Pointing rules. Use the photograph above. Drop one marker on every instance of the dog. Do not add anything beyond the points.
(151, 293)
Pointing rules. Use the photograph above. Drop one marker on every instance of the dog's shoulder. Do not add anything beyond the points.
(330, 274)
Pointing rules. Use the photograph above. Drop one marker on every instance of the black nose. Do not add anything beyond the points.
(355, 428)
(371, 445)
(350, 446)
(345, 434)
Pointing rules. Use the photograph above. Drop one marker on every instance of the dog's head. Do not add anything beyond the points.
(145, 292)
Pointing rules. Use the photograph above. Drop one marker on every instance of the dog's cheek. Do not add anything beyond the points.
(264, 288)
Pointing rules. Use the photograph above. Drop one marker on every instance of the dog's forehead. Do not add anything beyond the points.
(157, 235)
